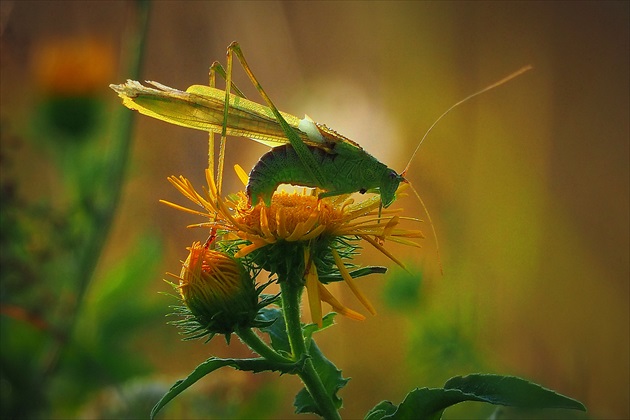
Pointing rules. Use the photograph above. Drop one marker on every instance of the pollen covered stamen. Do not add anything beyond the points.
(291, 217)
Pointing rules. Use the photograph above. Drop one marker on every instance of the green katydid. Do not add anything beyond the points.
(303, 152)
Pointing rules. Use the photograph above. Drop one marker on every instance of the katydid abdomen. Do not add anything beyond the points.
(345, 170)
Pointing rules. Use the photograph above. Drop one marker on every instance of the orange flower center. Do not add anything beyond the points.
(289, 212)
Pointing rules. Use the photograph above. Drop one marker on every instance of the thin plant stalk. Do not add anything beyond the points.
(291, 294)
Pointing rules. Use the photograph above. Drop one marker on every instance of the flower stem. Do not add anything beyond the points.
(291, 308)
(249, 337)
(291, 294)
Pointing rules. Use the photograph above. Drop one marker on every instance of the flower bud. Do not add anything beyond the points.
(218, 291)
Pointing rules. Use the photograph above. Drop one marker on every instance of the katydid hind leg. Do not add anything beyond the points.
(212, 83)
(300, 147)
(217, 68)
(214, 68)
(226, 111)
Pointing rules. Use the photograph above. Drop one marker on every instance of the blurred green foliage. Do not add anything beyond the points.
(67, 329)
(58, 324)
(402, 291)
(71, 117)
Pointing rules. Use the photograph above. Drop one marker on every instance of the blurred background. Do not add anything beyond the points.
(527, 186)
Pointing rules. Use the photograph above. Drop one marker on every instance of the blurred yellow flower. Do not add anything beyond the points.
(73, 66)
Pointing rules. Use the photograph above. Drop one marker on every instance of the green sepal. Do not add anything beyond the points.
(330, 376)
(284, 259)
(430, 403)
(193, 327)
(364, 271)
(251, 365)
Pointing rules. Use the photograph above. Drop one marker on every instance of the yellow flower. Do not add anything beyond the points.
(300, 236)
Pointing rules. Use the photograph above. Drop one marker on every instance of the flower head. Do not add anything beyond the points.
(73, 66)
(302, 238)
(218, 292)
(70, 74)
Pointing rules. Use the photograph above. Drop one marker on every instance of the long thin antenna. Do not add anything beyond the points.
(487, 88)
(435, 237)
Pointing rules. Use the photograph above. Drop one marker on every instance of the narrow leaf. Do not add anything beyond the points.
(360, 272)
(212, 364)
(310, 329)
(430, 403)
(512, 391)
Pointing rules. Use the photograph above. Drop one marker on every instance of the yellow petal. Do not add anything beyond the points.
(312, 289)
(353, 285)
(242, 175)
(338, 307)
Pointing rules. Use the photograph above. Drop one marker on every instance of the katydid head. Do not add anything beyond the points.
(388, 186)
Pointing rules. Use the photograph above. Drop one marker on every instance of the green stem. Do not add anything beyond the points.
(291, 308)
(249, 337)
(111, 188)
(291, 294)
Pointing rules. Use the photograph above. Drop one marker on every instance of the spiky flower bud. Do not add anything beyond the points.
(218, 291)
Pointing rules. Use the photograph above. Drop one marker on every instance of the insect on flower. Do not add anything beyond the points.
(299, 237)
(303, 152)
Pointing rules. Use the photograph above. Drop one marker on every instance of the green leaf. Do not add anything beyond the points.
(512, 391)
(212, 364)
(360, 272)
(277, 330)
(309, 329)
(430, 403)
(381, 410)
(330, 376)
(427, 403)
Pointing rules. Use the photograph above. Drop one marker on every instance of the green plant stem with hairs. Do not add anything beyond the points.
(291, 294)
(254, 342)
